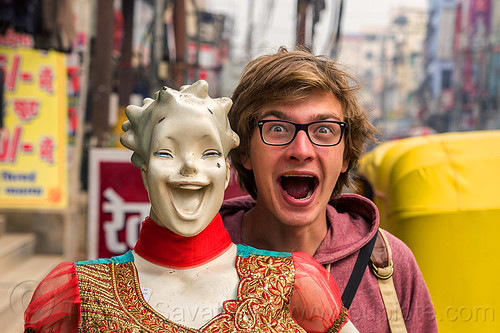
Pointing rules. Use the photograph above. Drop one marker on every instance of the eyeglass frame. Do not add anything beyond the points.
(304, 127)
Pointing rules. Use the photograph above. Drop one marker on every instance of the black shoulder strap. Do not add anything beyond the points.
(357, 272)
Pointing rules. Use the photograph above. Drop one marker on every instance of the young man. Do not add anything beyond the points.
(301, 131)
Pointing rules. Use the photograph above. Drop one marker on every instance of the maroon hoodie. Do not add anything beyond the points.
(353, 222)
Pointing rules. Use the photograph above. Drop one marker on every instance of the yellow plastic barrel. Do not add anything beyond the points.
(440, 194)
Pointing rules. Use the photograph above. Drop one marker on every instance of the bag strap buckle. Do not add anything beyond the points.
(383, 273)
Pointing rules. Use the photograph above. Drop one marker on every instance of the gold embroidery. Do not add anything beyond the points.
(339, 321)
(99, 306)
(264, 294)
(130, 297)
(112, 300)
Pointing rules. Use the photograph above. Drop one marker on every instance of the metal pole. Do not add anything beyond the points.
(249, 41)
(125, 71)
(101, 71)
(180, 41)
(301, 22)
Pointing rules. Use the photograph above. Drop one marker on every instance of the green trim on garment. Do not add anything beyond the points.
(245, 251)
(126, 257)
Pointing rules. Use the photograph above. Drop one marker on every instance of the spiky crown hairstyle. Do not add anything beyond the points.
(190, 98)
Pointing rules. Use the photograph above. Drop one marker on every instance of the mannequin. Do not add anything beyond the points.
(185, 274)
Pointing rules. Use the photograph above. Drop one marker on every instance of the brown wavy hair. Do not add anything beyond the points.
(292, 76)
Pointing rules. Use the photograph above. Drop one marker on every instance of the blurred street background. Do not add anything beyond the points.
(70, 67)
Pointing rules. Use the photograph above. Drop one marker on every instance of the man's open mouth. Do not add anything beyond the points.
(299, 186)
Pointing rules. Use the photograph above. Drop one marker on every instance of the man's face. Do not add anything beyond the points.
(187, 173)
(294, 182)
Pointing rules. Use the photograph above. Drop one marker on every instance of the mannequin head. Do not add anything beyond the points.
(180, 142)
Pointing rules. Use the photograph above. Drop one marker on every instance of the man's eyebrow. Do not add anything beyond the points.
(327, 116)
(318, 117)
(275, 113)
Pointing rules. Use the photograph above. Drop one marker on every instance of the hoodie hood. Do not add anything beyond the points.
(353, 220)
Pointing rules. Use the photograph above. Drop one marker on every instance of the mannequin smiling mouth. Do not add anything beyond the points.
(299, 187)
(187, 199)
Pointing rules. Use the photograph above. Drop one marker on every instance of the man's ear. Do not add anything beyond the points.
(228, 174)
(247, 163)
(345, 165)
(144, 175)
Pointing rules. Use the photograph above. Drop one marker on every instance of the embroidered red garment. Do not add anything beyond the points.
(163, 247)
(55, 306)
(316, 302)
(315, 305)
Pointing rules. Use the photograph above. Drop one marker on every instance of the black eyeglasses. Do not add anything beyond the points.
(320, 133)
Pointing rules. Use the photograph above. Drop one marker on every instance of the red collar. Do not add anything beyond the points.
(163, 247)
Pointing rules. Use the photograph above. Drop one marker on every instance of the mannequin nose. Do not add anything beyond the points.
(188, 167)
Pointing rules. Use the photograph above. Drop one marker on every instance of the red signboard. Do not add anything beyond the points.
(118, 203)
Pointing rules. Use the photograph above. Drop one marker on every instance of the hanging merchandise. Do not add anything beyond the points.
(51, 23)
(22, 15)
(57, 34)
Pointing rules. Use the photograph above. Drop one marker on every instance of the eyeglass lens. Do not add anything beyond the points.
(320, 133)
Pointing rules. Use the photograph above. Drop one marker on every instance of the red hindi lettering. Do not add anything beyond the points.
(26, 109)
(47, 149)
(46, 79)
(9, 146)
(11, 81)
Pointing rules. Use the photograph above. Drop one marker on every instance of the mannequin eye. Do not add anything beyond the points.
(163, 153)
(211, 153)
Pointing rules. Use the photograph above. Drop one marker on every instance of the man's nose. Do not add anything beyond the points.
(301, 148)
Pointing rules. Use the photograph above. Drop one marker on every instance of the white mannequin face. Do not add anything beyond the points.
(187, 173)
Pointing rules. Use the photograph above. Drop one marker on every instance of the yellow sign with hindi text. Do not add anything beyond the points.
(33, 140)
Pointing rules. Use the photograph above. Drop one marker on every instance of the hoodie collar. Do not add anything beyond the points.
(353, 220)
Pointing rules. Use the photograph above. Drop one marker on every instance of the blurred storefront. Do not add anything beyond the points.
(69, 69)
(462, 66)
(44, 55)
